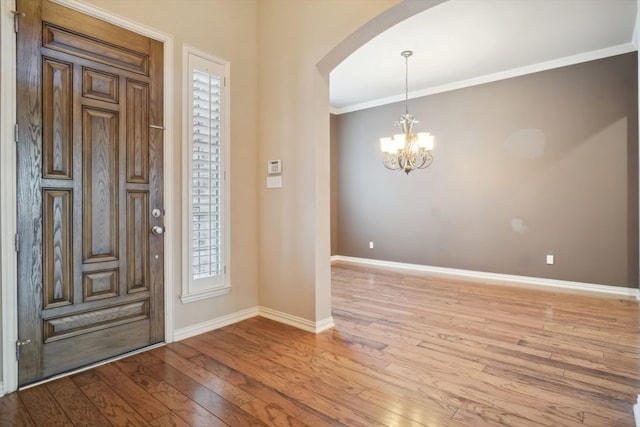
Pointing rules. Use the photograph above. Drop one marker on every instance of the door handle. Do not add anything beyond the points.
(157, 230)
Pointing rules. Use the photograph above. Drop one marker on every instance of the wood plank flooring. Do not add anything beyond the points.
(407, 350)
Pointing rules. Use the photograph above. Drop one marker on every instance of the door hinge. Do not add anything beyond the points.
(16, 15)
(16, 133)
(19, 344)
(17, 242)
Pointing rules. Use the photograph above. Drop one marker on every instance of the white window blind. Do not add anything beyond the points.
(207, 176)
(206, 218)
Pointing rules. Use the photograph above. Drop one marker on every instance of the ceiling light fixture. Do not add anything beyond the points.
(407, 151)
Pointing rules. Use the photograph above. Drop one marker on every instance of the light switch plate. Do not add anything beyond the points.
(274, 181)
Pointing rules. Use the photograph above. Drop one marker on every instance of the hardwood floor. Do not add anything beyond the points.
(407, 350)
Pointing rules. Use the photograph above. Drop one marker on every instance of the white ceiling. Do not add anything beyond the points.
(464, 42)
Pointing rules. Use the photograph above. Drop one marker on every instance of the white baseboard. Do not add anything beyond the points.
(278, 316)
(2, 392)
(494, 277)
(210, 325)
(297, 322)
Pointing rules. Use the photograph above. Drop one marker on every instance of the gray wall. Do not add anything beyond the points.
(545, 163)
(334, 183)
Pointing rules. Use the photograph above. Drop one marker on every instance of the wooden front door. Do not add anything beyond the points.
(90, 269)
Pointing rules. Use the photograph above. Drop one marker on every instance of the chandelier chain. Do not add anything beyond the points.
(406, 55)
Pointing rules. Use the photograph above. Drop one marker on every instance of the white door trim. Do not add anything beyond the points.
(8, 258)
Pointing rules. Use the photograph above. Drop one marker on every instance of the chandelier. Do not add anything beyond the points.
(407, 151)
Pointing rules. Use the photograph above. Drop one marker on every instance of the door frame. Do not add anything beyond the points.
(8, 185)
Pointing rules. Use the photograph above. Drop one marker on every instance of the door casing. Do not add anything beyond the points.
(8, 256)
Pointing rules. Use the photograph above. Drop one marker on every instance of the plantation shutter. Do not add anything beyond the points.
(208, 176)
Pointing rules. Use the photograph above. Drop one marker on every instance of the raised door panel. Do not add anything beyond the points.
(99, 85)
(137, 241)
(95, 50)
(57, 248)
(101, 188)
(137, 132)
(66, 326)
(100, 284)
(57, 117)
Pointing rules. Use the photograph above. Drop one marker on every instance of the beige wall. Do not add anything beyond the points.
(293, 102)
(226, 29)
(279, 110)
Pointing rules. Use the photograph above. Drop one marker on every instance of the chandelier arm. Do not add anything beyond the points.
(402, 162)
(428, 159)
(390, 162)
(413, 161)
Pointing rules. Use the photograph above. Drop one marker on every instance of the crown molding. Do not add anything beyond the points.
(502, 75)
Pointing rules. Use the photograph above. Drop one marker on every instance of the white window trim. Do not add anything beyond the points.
(190, 291)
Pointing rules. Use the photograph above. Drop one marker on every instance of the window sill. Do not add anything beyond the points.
(204, 294)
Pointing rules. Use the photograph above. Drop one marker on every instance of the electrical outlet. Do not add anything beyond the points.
(550, 259)
(370, 245)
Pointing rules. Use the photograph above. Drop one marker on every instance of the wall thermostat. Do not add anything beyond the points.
(274, 166)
